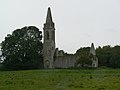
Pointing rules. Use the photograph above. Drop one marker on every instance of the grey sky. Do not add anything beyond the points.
(78, 22)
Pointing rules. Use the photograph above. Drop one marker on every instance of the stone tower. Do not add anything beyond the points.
(49, 41)
(93, 56)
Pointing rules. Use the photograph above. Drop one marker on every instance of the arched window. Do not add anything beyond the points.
(47, 35)
(53, 35)
(47, 63)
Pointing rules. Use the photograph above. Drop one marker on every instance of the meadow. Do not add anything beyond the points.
(61, 79)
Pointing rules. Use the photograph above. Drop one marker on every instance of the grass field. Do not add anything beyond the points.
(61, 79)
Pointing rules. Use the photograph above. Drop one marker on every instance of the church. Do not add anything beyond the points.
(52, 56)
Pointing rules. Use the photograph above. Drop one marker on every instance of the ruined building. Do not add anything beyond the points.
(93, 56)
(54, 58)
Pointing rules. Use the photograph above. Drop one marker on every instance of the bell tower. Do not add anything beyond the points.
(49, 41)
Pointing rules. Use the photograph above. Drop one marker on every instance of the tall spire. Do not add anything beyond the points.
(49, 41)
(92, 49)
(49, 16)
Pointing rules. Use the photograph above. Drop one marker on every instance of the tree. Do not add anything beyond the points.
(104, 55)
(23, 49)
(84, 58)
(109, 56)
(114, 61)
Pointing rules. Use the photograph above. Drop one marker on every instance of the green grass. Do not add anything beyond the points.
(61, 79)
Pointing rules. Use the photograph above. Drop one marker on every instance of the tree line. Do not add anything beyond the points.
(107, 56)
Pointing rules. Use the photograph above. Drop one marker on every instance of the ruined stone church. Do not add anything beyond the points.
(55, 58)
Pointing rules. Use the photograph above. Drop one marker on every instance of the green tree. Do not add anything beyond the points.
(23, 49)
(84, 58)
(115, 57)
(109, 56)
(104, 55)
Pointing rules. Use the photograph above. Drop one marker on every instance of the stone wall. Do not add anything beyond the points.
(66, 61)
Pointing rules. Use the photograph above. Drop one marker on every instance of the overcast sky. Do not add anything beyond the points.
(78, 23)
